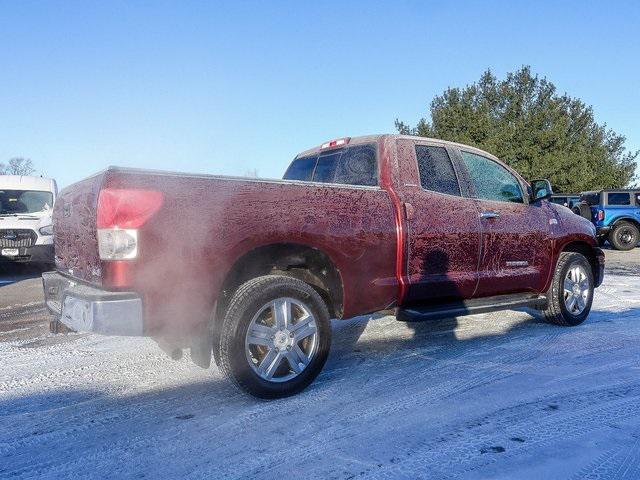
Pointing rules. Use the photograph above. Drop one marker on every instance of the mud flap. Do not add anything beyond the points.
(201, 349)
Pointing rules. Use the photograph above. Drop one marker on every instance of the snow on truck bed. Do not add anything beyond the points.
(499, 395)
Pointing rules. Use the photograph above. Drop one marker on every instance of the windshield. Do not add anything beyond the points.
(24, 201)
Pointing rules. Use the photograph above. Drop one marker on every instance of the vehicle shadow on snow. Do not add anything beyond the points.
(378, 340)
(183, 400)
(82, 421)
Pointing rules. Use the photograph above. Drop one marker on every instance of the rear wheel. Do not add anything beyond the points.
(275, 336)
(624, 236)
(571, 292)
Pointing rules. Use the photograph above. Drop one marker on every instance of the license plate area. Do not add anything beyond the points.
(10, 252)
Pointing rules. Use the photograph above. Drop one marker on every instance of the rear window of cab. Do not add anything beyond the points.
(353, 165)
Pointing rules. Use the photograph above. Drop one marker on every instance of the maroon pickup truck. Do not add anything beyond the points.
(250, 271)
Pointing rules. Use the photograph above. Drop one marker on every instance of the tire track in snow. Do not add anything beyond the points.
(461, 450)
(615, 464)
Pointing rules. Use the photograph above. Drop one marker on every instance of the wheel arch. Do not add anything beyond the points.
(297, 260)
(627, 219)
(589, 251)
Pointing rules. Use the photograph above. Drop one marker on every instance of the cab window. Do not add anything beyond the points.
(355, 165)
(491, 180)
(301, 169)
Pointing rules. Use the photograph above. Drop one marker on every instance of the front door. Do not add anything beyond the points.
(516, 241)
(443, 228)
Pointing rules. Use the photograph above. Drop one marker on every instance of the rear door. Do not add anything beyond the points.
(516, 241)
(443, 226)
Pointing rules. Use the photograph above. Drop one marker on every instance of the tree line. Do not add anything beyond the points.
(525, 122)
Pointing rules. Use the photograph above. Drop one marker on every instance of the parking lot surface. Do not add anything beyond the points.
(500, 395)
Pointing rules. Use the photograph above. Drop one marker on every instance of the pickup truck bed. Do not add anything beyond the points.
(207, 223)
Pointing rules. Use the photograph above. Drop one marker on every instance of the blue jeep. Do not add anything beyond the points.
(616, 215)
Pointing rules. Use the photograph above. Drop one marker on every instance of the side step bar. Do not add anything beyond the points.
(423, 312)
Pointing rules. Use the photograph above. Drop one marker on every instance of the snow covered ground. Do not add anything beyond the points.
(499, 396)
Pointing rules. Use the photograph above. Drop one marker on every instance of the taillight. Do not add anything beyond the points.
(600, 215)
(120, 213)
(127, 208)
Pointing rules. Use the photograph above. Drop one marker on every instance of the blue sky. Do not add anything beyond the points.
(225, 87)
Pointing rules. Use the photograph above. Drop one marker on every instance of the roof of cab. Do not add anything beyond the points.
(25, 182)
(375, 138)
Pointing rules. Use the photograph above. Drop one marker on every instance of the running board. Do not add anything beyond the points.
(423, 312)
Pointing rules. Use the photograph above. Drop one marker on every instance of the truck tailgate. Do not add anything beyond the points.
(74, 219)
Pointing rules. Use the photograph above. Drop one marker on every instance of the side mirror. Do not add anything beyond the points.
(540, 190)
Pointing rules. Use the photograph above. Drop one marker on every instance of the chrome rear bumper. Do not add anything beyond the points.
(84, 308)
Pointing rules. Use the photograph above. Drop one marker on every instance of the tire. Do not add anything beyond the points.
(269, 368)
(582, 209)
(558, 312)
(624, 236)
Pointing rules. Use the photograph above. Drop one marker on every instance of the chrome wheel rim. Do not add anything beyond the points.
(281, 340)
(576, 290)
(626, 236)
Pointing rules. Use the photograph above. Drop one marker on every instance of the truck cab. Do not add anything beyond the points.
(26, 226)
(615, 214)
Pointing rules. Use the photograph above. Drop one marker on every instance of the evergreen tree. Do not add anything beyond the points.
(527, 124)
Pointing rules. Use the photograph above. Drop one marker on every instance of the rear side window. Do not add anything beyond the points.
(357, 165)
(436, 170)
(618, 198)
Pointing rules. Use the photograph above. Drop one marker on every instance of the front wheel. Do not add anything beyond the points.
(571, 293)
(275, 336)
(624, 236)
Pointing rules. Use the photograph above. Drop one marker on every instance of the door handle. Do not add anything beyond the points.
(489, 214)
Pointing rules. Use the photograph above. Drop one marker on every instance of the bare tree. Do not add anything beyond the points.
(17, 166)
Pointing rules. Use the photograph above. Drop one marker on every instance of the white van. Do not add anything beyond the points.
(26, 229)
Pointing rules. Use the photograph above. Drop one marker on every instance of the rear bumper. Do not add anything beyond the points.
(84, 308)
(35, 254)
